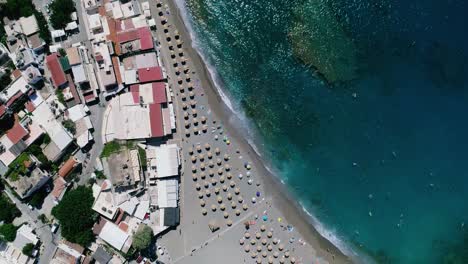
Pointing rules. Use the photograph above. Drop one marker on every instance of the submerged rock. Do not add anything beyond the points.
(319, 40)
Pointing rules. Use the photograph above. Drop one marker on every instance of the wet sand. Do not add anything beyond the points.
(283, 205)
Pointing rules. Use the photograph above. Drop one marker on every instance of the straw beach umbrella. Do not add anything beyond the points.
(217, 151)
(213, 207)
(209, 155)
(226, 157)
(286, 254)
(270, 260)
(253, 241)
(232, 184)
(201, 157)
(197, 186)
(187, 124)
(229, 196)
(282, 260)
(191, 95)
(225, 187)
(275, 241)
(187, 133)
(202, 166)
(210, 164)
(264, 254)
(245, 207)
(269, 234)
(206, 184)
(200, 195)
(227, 167)
(229, 176)
(258, 235)
(194, 168)
(280, 247)
(253, 254)
(221, 179)
(219, 199)
(186, 115)
(202, 175)
(195, 121)
(202, 203)
(194, 112)
(220, 171)
(229, 222)
(270, 248)
(217, 190)
(259, 248)
(240, 199)
(207, 193)
(211, 173)
(241, 241)
(225, 215)
(193, 158)
(207, 146)
(247, 248)
(203, 119)
(194, 177)
(275, 254)
(214, 181)
(263, 228)
(259, 260)
(219, 161)
(264, 241)
(204, 211)
(222, 207)
(247, 235)
(238, 212)
(233, 205)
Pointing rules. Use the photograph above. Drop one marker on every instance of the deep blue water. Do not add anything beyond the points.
(381, 160)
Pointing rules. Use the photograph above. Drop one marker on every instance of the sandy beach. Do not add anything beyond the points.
(224, 182)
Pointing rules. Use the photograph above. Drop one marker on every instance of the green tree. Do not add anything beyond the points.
(28, 249)
(8, 232)
(70, 126)
(142, 238)
(8, 210)
(61, 11)
(44, 32)
(76, 216)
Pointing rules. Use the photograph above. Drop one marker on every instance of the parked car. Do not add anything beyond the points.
(54, 228)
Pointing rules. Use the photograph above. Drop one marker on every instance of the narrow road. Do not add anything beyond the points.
(43, 231)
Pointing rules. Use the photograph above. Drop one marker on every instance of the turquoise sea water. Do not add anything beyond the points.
(381, 160)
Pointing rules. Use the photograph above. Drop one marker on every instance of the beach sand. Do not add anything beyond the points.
(193, 242)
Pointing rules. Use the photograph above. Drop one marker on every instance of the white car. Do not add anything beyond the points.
(54, 228)
(31, 207)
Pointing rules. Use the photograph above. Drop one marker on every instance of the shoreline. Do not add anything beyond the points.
(282, 198)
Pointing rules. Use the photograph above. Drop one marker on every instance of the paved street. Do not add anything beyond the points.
(48, 240)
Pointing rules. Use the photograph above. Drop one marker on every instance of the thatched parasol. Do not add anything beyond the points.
(282, 260)
(229, 222)
(286, 254)
(269, 234)
(202, 166)
(184, 106)
(238, 212)
(263, 228)
(202, 203)
(209, 155)
(258, 235)
(211, 164)
(259, 260)
(217, 190)
(222, 207)
(264, 241)
(219, 162)
(264, 254)
(225, 187)
(240, 199)
(199, 149)
(232, 184)
(275, 241)
(207, 193)
(253, 254)
(203, 119)
(236, 190)
(229, 196)
(253, 241)
(207, 146)
(214, 181)
(187, 133)
(200, 194)
(275, 254)
(193, 158)
(245, 207)
(220, 171)
(270, 260)
(293, 260)
(225, 215)
(280, 247)
(191, 95)
(219, 199)
(247, 248)
(186, 115)
(195, 121)
(213, 225)
(233, 205)
(241, 241)
(201, 157)
(197, 186)
(194, 168)
(211, 173)
(229, 175)
(204, 211)
(217, 151)
(206, 184)
(221, 179)
(227, 167)
(247, 235)
(213, 207)
(202, 175)
(259, 248)
(270, 248)
(194, 112)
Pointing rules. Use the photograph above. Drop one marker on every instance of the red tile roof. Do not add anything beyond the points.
(146, 40)
(73, 90)
(16, 133)
(129, 35)
(156, 121)
(123, 226)
(56, 71)
(115, 64)
(128, 24)
(135, 90)
(159, 92)
(150, 74)
(67, 167)
(59, 187)
(2, 110)
(16, 74)
(14, 98)
(29, 106)
(89, 97)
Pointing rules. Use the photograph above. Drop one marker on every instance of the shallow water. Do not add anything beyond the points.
(380, 160)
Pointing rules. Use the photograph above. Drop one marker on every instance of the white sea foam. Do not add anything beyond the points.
(327, 233)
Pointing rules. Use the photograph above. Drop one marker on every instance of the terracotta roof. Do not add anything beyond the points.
(56, 71)
(16, 133)
(123, 226)
(115, 64)
(150, 74)
(16, 74)
(146, 40)
(29, 106)
(156, 121)
(159, 92)
(59, 187)
(2, 110)
(135, 90)
(73, 90)
(14, 98)
(74, 246)
(67, 167)
(129, 35)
